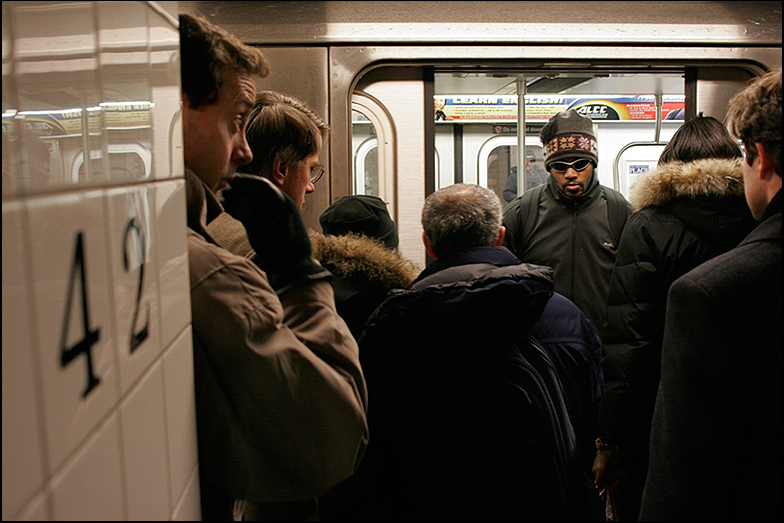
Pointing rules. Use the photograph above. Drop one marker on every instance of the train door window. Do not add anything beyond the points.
(373, 149)
(365, 155)
(635, 159)
(477, 112)
(127, 162)
(497, 161)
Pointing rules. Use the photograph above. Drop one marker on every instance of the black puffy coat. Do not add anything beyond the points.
(442, 449)
(685, 214)
(364, 271)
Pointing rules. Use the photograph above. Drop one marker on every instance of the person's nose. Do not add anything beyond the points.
(242, 152)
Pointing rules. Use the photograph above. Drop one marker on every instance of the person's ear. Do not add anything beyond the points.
(427, 246)
(501, 235)
(279, 170)
(765, 164)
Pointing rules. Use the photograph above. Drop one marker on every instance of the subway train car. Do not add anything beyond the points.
(380, 72)
(98, 403)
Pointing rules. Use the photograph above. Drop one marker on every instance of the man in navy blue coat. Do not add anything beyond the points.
(452, 435)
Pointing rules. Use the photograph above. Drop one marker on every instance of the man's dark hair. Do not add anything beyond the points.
(206, 53)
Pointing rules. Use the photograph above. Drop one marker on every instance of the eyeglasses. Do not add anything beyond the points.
(578, 165)
(316, 172)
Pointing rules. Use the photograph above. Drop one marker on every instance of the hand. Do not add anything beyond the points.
(275, 230)
(604, 468)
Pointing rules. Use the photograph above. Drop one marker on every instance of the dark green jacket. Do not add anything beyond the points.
(577, 237)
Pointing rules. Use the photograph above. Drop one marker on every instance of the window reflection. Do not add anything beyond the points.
(130, 166)
(502, 170)
(371, 172)
(89, 99)
(365, 146)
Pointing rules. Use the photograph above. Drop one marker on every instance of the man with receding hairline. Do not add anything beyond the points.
(280, 395)
(444, 361)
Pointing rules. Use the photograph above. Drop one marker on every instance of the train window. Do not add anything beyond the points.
(633, 160)
(497, 162)
(476, 116)
(373, 165)
(365, 156)
(127, 162)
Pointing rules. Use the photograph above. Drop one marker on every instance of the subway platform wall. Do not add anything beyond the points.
(99, 415)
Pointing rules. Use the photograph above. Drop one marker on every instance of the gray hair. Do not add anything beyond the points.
(461, 216)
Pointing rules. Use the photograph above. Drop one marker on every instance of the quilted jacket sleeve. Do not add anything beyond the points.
(632, 335)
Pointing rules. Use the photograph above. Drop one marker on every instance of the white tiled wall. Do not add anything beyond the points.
(98, 403)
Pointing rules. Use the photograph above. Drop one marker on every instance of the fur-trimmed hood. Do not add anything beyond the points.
(351, 254)
(708, 177)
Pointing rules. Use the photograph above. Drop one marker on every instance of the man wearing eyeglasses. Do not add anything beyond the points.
(280, 395)
(571, 223)
(286, 137)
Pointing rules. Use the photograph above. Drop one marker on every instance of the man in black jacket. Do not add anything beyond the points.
(716, 438)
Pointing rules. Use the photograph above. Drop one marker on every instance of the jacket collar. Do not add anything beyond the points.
(486, 285)
(201, 204)
(769, 227)
(479, 262)
(773, 208)
(707, 177)
(497, 256)
(356, 255)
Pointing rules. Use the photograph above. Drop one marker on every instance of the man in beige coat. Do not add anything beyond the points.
(280, 396)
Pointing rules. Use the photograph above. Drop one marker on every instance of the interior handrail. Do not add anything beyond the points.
(616, 176)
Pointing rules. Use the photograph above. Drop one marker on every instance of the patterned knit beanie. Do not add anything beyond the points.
(568, 135)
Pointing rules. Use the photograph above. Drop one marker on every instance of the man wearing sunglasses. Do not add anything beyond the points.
(571, 223)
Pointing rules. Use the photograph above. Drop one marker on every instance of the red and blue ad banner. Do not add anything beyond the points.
(483, 108)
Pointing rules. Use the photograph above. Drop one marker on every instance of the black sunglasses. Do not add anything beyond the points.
(577, 165)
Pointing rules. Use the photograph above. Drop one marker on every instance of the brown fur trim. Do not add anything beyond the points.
(707, 177)
(351, 254)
